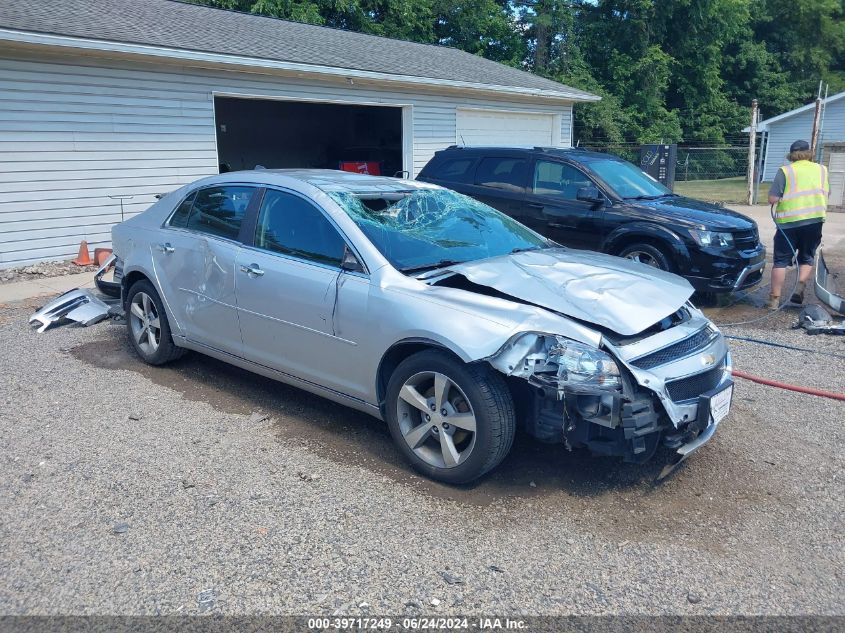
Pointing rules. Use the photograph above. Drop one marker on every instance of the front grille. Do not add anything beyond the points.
(697, 341)
(693, 386)
(745, 239)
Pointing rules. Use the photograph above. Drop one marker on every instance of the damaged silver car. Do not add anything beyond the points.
(447, 319)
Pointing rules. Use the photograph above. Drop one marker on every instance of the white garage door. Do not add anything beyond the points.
(492, 127)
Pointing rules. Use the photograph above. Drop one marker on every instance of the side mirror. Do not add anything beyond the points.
(350, 263)
(589, 194)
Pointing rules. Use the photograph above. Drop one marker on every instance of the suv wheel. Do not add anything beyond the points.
(147, 325)
(648, 255)
(453, 422)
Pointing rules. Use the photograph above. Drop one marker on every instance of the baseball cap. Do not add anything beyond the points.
(799, 146)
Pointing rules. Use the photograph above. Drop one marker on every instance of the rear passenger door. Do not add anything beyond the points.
(500, 182)
(195, 264)
(555, 210)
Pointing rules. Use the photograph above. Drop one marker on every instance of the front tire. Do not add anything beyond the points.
(648, 255)
(148, 327)
(452, 421)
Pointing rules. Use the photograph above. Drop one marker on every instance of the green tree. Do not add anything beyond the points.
(482, 27)
(808, 38)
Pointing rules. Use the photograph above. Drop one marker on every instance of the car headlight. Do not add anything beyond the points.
(713, 238)
(582, 365)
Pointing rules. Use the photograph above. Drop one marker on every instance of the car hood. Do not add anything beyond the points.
(624, 296)
(693, 213)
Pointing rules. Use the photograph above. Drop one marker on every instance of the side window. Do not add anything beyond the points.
(455, 170)
(558, 179)
(290, 225)
(502, 173)
(180, 216)
(220, 210)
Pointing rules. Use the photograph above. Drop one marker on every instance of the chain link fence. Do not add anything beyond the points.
(693, 163)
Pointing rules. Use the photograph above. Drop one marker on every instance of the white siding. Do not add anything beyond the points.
(800, 126)
(74, 132)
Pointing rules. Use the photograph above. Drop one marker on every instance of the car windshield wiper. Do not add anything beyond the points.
(661, 195)
(431, 266)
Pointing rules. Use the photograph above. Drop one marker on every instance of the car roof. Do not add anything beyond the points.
(573, 153)
(326, 180)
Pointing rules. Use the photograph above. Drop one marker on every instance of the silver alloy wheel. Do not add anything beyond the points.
(145, 323)
(436, 419)
(644, 258)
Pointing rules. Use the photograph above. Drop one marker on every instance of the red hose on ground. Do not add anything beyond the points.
(783, 385)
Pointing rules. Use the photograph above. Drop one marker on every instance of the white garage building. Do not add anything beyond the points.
(103, 100)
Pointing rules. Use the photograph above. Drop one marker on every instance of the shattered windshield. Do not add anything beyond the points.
(627, 180)
(430, 228)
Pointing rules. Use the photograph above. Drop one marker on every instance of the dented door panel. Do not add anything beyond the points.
(197, 274)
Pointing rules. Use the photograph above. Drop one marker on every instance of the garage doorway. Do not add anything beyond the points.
(278, 134)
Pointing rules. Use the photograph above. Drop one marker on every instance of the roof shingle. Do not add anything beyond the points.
(169, 24)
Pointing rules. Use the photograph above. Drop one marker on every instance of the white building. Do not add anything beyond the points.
(132, 99)
(782, 130)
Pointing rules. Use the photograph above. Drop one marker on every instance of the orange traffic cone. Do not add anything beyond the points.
(101, 255)
(84, 258)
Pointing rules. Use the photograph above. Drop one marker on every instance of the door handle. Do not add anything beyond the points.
(166, 248)
(536, 205)
(252, 269)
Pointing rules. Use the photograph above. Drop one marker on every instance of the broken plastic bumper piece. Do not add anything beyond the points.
(109, 288)
(75, 305)
(713, 407)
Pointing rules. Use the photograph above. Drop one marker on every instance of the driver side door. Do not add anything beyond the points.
(552, 195)
(300, 312)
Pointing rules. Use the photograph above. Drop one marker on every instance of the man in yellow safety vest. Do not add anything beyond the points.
(800, 191)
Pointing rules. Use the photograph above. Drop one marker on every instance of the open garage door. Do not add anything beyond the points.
(277, 134)
(496, 127)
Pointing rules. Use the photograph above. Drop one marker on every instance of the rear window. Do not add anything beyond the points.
(220, 211)
(502, 173)
(180, 216)
(455, 170)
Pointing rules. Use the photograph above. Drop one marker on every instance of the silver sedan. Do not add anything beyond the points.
(450, 321)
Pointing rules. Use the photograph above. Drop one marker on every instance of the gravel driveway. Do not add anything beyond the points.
(133, 490)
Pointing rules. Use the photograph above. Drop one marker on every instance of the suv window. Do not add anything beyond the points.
(220, 210)
(502, 173)
(558, 179)
(290, 225)
(455, 170)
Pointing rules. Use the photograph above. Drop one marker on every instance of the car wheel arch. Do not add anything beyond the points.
(133, 275)
(130, 278)
(401, 350)
(657, 236)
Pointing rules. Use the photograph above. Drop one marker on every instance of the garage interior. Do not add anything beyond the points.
(277, 134)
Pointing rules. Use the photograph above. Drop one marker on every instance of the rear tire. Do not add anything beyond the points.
(648, 255)
(452, 421)
(148, 327)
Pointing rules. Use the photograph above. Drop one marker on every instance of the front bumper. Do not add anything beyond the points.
(713, 270)
(670, 379)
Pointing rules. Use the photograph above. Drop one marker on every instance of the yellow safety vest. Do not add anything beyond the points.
(805, 194)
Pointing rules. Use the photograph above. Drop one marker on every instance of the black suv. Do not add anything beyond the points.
(603, 203)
